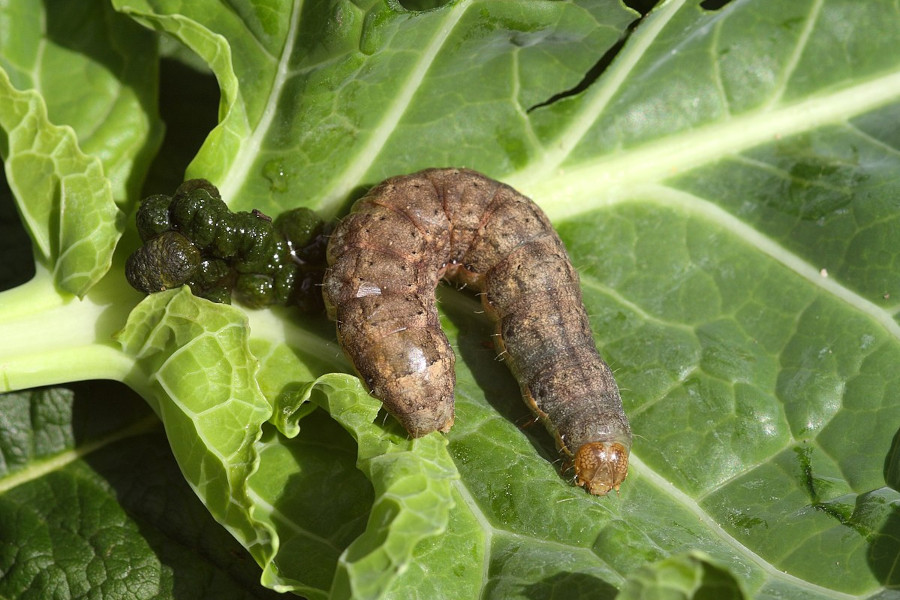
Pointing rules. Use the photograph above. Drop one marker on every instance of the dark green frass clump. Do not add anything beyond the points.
(192, 238)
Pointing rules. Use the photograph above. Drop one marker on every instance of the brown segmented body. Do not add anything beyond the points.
(385, 261)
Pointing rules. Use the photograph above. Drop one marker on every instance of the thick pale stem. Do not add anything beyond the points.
(50, 337)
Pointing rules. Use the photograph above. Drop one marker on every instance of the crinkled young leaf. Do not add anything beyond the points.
(78, 84)
(97, 72)
(292, 352)
(316, 459)
(311, 493)
(412, 481)
(193, 364)
(63, 196)
(412, 492)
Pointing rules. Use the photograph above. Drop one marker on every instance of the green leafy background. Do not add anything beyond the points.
(725, 176)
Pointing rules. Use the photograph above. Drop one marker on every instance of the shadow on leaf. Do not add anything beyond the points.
(158, 525)
(474, 346)
(570, 585)
(884, 546)
(892, 464)
(884, 551)
(294, 476)
(689, 575)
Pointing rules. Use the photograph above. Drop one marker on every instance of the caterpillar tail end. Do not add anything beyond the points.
(601, 466)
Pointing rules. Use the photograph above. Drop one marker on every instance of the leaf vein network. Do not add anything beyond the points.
(41, 467)
(693, 506)
(704, 209)
(772, 169)
(717, 71)
(591, 282)
(873, 140)
(288, 522)
(522, 111)
(158, 329)
(572, 191)
(491, 531)
(796, 54)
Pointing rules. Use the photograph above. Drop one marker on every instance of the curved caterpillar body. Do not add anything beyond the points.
(385, 261)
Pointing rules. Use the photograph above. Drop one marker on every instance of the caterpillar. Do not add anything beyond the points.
(385, 260)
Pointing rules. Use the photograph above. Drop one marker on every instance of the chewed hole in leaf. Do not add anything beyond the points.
(642, 6)
(600, 67)
(420, 5)
(712, 5)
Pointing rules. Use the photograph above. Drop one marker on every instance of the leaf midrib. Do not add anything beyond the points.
(250, 150)
(568, 192)
(345, 181)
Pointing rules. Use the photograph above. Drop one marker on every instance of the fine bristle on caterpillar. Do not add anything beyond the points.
(385, 261)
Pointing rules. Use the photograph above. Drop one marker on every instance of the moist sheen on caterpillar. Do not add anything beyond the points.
(385, 261)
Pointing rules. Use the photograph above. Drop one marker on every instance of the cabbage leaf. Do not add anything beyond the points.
(724, 176)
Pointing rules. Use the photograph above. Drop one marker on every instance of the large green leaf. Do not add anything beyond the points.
(319, 98)
(725, 181)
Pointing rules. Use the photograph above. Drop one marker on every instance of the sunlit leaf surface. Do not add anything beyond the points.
(726, 181)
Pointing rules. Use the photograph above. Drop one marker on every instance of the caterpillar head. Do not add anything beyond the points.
(601, 466)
